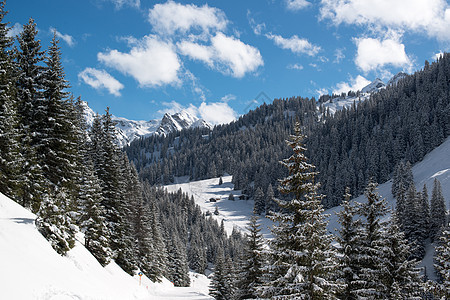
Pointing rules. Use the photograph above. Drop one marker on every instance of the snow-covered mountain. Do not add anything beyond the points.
(129, 130)
(374, 86)
(335, 104)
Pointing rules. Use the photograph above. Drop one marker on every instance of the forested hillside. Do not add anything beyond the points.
(405, 121)
(77, 180)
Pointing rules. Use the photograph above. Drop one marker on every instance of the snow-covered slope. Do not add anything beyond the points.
(31, 269)
(234, 213)
(338, 103)
(129, 130)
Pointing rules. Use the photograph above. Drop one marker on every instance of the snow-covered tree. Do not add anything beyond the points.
(219, 287)
(260, 202)
(250, 275)
(437, 210)
(349, 240)
(442, 265)
(302, 260)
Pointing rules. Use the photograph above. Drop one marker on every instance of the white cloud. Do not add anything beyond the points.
(226, 54)
(339, 55)
(429, 16)
(258, 28)
(295, 67)
(171, 17)
(373, 54)
(355, 84)
(228, 97)
(15, 30)
(296, 5)
(213, 113)
(217, 113)
(99, 79)
(70, 41)
(120, 3)
(152, 62)
(295, 44)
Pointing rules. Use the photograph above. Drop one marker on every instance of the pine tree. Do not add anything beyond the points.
(160, 256)
(437, 210)
(91, 219)
(270, 197)
(10, 157)
(219, 288)
(260, 202)
(250, 276)
(370, 278)
(442, 266)
(302, 259)
(401, 277)
(55, 222)
(349, 244)
(412, 224)
(30, 96)
(178, 266)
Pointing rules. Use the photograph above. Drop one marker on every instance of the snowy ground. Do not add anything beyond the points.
(234, 213)
(31, 269)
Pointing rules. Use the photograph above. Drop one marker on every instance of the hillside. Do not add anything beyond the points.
(33, 270)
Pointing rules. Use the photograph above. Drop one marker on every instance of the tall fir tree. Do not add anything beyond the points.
(219, 288)
(349, 247)
(260, 202)
(251, 269)
(10, 156)
(442, 265)
(302, 258)
(437, 210)
(29, 58)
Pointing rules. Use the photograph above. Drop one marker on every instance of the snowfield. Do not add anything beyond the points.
(31, 269)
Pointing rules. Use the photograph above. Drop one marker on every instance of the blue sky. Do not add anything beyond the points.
(218, 59)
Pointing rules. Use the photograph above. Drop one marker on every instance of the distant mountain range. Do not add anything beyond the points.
(129, 130)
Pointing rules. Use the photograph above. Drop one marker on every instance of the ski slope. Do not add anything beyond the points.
(31, 269)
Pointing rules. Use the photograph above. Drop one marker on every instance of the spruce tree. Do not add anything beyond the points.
(260, 202)
(437, 210)
(250, 276)
(349, 240)
(302, 259)
(370, 278)
(442, 265)
(10, 157)
(29, 58)
(219, 288)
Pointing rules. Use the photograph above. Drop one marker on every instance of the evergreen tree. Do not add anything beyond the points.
(92, 220)
(349, 243)
(413, 226)
(260, 202)
(442, 266)
(10, 157)
(270, 197)
(250, 276)
(178, 271)
(437, 210)
(302, 259)
(30, 109)
(219, 288)
(401, 277)
(55, 223)
(370, 278)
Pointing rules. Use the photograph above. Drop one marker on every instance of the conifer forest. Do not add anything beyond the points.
(292, 157)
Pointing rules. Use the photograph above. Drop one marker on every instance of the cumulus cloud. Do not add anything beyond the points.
(213, 112)
(296, 5)
(226, 54)
(171, 17)
(429, 16)
(295, 44)
(70, 41)
(15, 30)
(355, 84)
(373, 54)
(100, 79)
(152, 62)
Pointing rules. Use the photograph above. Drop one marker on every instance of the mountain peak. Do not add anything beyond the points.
(374, 86)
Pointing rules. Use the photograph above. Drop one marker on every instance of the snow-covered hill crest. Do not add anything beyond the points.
(130, 130)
